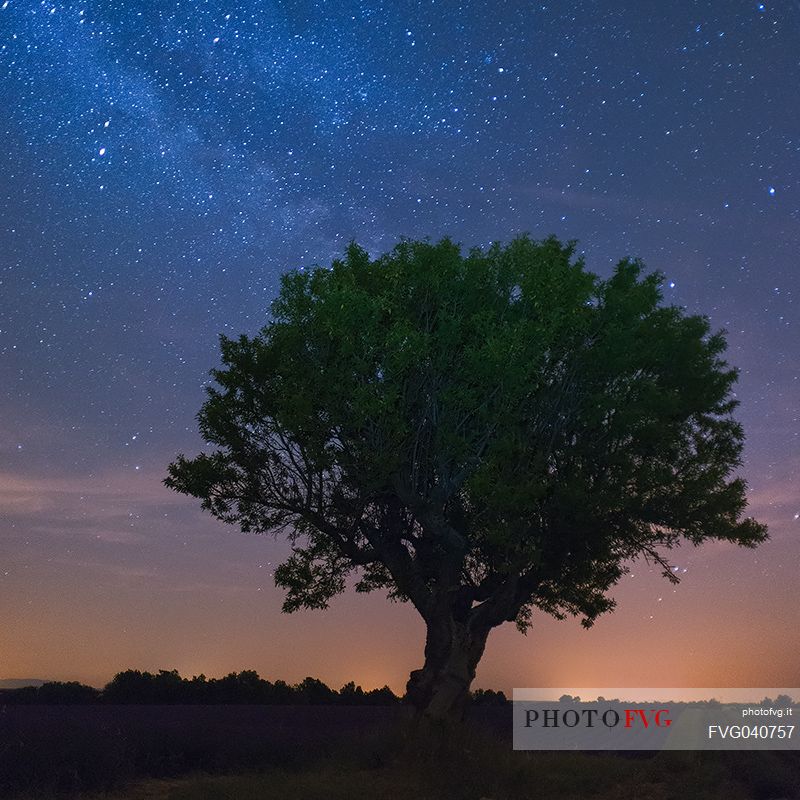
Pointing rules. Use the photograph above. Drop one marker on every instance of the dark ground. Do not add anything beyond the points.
(312, 752)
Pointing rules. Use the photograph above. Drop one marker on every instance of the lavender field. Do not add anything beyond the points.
(72, 748)
(315, 752)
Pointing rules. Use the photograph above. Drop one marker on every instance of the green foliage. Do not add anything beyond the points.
(501, 427)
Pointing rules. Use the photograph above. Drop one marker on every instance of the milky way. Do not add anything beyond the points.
(162, 164)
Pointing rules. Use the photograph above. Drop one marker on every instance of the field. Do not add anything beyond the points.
(321, 752)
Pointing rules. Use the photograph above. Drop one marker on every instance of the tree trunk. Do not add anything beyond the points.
(440, 690)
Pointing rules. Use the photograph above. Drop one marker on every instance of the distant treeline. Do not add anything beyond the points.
(246, 687)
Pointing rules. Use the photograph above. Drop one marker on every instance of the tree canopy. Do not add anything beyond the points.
(483, 435)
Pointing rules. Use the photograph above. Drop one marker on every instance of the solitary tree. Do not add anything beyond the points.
(481, 435)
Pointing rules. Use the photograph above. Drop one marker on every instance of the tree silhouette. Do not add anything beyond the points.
(350, 694)
(168, 687)
(481, 435)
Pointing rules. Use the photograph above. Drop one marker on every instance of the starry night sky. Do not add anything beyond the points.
(163, 163)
